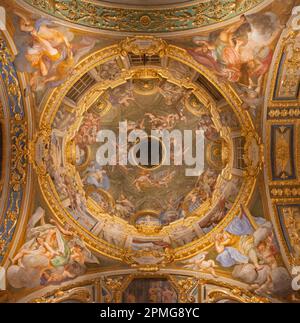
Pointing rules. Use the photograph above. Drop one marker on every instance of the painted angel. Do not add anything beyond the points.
(51, 253)
(122, 95)
(199, 263)
(144, 180)
(124, 206)
(97, 176)
(221, 53)
(47, 51)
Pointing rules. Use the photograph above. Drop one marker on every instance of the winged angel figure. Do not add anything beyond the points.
(47, 51)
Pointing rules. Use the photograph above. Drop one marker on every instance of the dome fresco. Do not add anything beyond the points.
(149, 151)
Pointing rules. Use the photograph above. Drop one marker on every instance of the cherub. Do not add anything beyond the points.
(124, 206)
(133, 125)
(144, 179)
(95, 177)
(122, 95)
(166, 179)
(163, 122)
(200, 264)
(157, 122)
(125, 202)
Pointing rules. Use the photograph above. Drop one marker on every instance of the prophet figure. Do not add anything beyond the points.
(50, 254)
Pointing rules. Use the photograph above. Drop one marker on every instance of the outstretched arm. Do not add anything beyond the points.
(61, 229)
(226, 34)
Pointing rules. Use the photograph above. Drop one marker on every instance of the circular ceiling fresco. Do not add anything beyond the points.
(160, 205)
(156, 194)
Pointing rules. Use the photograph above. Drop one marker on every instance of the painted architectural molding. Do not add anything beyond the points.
(282, 145)
(15, 121)
(137, 20)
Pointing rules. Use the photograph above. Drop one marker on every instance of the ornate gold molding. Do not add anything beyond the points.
(17, 144)
(281, 133)
(52, 103)
(116, 18)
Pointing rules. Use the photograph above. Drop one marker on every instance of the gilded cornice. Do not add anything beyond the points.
(188, 285)
(127, 19)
